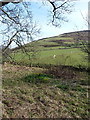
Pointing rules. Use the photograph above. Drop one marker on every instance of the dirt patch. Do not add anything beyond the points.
(11, 67)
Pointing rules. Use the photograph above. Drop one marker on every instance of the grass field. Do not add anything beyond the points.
(42, 51)
(71, 57)
(57, 91)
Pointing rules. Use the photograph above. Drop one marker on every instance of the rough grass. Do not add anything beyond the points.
(33, 93)
(30, 92)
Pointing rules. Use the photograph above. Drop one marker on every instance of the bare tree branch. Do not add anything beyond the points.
(17, 29)
(8, 15)
(60, 9)
(10, 41)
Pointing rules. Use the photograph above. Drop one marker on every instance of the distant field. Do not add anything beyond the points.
(71, 57)
(65, 49)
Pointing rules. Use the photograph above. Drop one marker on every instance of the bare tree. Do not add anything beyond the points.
(59, 11)
(83, 37)
(82, 40)
(18, 23)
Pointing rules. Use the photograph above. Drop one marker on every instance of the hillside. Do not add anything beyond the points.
(29, 92)
(73, 34)
(60, 40)
(49, 80)
(67, 49)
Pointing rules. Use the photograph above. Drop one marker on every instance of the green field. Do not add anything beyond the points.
(71, 57)
(42, 52)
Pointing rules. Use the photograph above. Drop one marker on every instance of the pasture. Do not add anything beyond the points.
(66, 50)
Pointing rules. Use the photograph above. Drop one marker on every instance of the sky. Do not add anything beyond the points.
(76, 20)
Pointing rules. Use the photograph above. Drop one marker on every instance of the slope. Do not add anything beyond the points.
(65, 49)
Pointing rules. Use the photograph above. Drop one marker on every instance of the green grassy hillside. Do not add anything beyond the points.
(64, 49)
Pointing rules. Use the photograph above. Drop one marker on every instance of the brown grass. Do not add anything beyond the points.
(28, 100)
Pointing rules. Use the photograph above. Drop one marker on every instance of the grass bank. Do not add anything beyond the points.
(30, 92)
